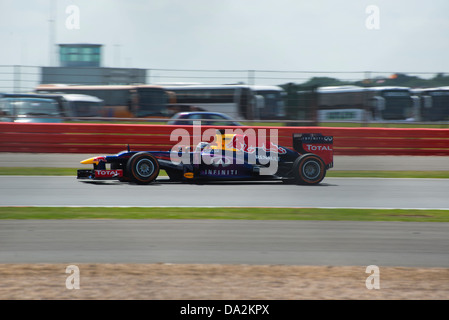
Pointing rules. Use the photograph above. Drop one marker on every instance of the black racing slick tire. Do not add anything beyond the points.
(309, 169)
(142, 168)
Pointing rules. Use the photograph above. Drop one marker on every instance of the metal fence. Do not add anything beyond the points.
(23, 78)
(250, 77)
(19, 78)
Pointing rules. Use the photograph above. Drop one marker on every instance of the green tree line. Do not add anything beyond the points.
(397, 79)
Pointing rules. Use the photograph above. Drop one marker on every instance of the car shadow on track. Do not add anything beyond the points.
(161, 182)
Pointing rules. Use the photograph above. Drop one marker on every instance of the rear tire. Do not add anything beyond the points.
(309, 169)
(142, 168)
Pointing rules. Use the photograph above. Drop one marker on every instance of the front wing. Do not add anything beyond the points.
(100, 174)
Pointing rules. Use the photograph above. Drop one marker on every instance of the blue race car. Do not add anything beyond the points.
(229, 157)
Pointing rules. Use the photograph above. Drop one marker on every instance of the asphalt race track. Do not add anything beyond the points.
(331, 193)
(221, 241)
(336, 243)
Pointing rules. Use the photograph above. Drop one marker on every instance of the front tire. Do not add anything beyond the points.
(309, 169)
(143, 168)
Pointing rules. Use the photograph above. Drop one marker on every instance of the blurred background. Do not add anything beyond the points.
(300, 63)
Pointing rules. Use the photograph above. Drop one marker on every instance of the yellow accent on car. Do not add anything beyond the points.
(90, 161)
(223, 142)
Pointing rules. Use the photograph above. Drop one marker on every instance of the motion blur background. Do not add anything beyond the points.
(297, 45)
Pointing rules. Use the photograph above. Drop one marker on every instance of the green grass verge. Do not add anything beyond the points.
(37, 171)
(225, 213)
(42, 171)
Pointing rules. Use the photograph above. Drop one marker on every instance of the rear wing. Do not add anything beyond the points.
(317, 144)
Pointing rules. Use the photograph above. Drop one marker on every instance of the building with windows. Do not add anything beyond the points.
(80, 55)
(80, 63)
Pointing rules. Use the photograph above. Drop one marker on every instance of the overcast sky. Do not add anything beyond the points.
(286, 35)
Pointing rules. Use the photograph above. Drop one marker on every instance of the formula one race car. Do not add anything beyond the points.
(228, 157)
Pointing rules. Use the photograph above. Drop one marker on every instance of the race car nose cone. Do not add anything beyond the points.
(88, 161)
(94, 160)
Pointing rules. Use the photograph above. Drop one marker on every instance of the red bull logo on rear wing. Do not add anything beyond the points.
(317, 144)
